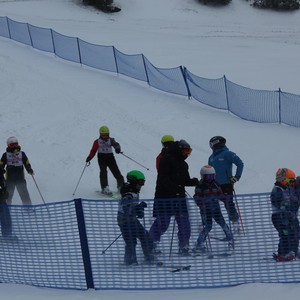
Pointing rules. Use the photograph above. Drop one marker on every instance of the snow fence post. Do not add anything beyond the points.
(279, 105)
(84, 244)
(184, 72)
(226, 92)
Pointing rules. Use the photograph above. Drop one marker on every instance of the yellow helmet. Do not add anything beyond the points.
(167, 138)
(104, 130)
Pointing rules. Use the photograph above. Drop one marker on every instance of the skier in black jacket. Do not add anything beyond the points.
(172, 177)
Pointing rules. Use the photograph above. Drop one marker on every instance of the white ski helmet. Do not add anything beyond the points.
(208, 173)
(12, 142)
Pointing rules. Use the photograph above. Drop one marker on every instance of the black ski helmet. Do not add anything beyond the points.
(185, 148)
(217, 142)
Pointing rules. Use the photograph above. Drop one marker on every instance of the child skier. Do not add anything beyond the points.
(285, 205)
(129, 211)
(103, 145)
(13, 162)
(207, 196)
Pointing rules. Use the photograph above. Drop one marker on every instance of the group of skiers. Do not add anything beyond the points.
(216, 184)
(170, 199)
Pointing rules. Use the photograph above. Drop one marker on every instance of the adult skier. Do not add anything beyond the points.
(170, 197)
(222, 159)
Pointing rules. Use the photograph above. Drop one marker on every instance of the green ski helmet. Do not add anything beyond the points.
(167, 138)
(136, 176)
(104, 130)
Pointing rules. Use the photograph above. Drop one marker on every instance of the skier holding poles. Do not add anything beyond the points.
(207, 196)
(103, 146)
(15, 160)
(130, 210)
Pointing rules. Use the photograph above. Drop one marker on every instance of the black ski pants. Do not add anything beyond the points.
(108, 161)
(227, 190)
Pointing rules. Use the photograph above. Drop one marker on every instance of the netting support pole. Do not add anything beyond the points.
(84, 244)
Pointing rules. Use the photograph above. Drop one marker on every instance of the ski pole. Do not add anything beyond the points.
(86, 165)
(239, 212)
(38, 188)
(204, 226)
(172, 238)
(134, 161)
(103, 252)
(208, 245)
(40, 192)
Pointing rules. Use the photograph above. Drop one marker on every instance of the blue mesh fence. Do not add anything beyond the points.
(131, 65)
(41, 38)
(211, 92)
(19, 32)
(66, 47)
(47, 250)
(99, 57)
(249, 104)
(76, 244)
(290, 109)
(168, 80)
(253, 105)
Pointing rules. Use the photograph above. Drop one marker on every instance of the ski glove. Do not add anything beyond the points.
(118, 150)
(88, 159)
(30, 171)
(195, 181)
(234, 179)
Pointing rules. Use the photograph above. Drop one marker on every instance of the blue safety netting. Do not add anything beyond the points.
(76, 244)
(249, 104)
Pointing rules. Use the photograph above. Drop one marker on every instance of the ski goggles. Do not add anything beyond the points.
(209, 177)
(13, 145)
(187, 151)
(289, 180)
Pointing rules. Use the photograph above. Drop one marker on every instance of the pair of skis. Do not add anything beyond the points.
(173, 268)
(211, 254)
